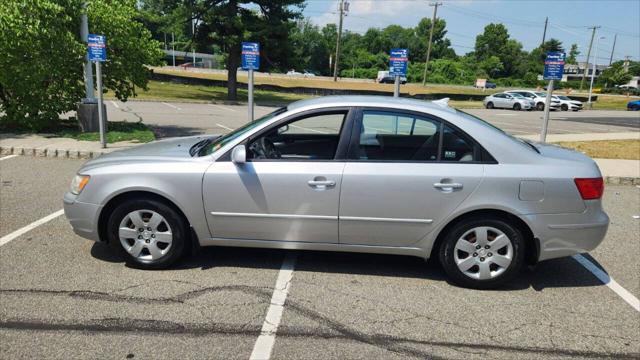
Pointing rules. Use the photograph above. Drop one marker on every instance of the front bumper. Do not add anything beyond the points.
(82, 216)
(569, 234)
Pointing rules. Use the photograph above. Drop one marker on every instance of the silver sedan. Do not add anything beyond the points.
(349, 173)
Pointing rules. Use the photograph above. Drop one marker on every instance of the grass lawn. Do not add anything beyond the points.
(610, 149)
(116, 131)
(158, 90)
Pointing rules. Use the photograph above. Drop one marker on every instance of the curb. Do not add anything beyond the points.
(84, 154)
(52, 153)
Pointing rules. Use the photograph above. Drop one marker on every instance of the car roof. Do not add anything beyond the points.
(368, 100)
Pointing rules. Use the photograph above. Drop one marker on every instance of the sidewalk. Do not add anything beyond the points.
(41, 145)
(615, 171)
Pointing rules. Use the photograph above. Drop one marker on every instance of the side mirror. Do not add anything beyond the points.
(283, 129)
(239, 155)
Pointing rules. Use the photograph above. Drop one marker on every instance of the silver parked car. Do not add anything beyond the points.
(348, 173)
(508, 101)
(538, 98)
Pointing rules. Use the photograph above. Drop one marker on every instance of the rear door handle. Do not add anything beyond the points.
(447, 186)
(321, 183)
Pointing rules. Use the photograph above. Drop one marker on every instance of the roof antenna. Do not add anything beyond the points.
(444, 102)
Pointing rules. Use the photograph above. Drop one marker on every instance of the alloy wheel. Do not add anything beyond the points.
(145, 235)
(483, 253)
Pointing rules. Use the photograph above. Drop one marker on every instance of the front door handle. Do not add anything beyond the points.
(321, 183)
(447, 187)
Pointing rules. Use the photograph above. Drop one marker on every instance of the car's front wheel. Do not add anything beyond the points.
(517, 107)
(149, 233)
(482, 253)
(564, 107)
(540, 106)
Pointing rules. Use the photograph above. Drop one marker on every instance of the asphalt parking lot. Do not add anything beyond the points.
(64, 297)
(183, 119)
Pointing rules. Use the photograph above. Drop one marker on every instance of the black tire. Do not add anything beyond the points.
(489, 105)
(540, 106)
(564, 107)
(176, 222)
(447, 248)
(517, 107)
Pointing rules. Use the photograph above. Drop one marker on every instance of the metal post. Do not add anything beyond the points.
(615, 37)
(545, 122)
(250, 95)
(396, 88)
(193, 48)
(103, 127)
(593, 73)
(586, 70)
(173, 49)
(88, 69)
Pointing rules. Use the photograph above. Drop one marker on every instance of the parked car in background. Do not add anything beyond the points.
(567, 103)
(371, 174)
(633, 105)
(489, 85)
(308, 73)
(293, 73)
(508, 101)
(385, 78)
(538, 98)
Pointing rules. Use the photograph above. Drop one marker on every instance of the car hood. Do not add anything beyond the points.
(158, 151)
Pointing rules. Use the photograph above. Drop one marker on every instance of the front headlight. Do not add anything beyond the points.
(78, 183)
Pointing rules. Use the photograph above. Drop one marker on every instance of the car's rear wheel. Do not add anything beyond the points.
(564, 107)
(517, 107)
(482, 253)
(540, 106)
(489, 105)
(149, 233)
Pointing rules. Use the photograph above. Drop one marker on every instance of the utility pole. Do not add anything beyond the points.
(193, 47)
(344, 7)
(88, 69)
(544, 34)
(586, 67)
(593, 72)
(433, 25)
(615, 37)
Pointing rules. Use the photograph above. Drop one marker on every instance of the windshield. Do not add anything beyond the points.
(225, 139)
(522, 142)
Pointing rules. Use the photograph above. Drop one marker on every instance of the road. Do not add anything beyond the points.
(182, 119)
(64, 297)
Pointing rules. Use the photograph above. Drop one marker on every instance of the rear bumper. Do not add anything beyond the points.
(568, 234)
(83, 217)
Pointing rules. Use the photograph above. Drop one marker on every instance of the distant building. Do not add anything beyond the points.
(575, 71)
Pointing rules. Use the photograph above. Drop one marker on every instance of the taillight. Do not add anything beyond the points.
(591, 188)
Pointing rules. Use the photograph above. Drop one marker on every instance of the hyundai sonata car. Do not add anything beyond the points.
(349, 173)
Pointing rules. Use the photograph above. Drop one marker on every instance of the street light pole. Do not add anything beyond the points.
(593, 71)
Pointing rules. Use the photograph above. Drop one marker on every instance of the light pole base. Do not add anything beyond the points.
(88, 117)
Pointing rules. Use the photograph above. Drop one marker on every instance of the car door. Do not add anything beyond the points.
(500, 100)
(289, 192)
(508, 101)
(406, 172)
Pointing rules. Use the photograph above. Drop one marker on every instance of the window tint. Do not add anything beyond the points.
(499, 95)
(390, 136)
(456, 147)
(313, 137)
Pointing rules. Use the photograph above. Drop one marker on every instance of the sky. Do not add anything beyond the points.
(569, 21)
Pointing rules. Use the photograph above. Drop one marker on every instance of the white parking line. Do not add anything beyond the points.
(608, 280)
(7, 157)
(222, 107)
(224, 127)
(264, 345)
(171, 106)
(115, 104)
(5, 239)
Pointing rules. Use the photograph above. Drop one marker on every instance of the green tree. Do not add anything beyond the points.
(573, 54)
(495, 41)
(616, 74)
(41, 72)
(552, 45)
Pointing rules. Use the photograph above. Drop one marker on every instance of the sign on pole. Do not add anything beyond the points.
(97, 52)
(554, 66)
(250, 61)
(553, 70)
(398, 62)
